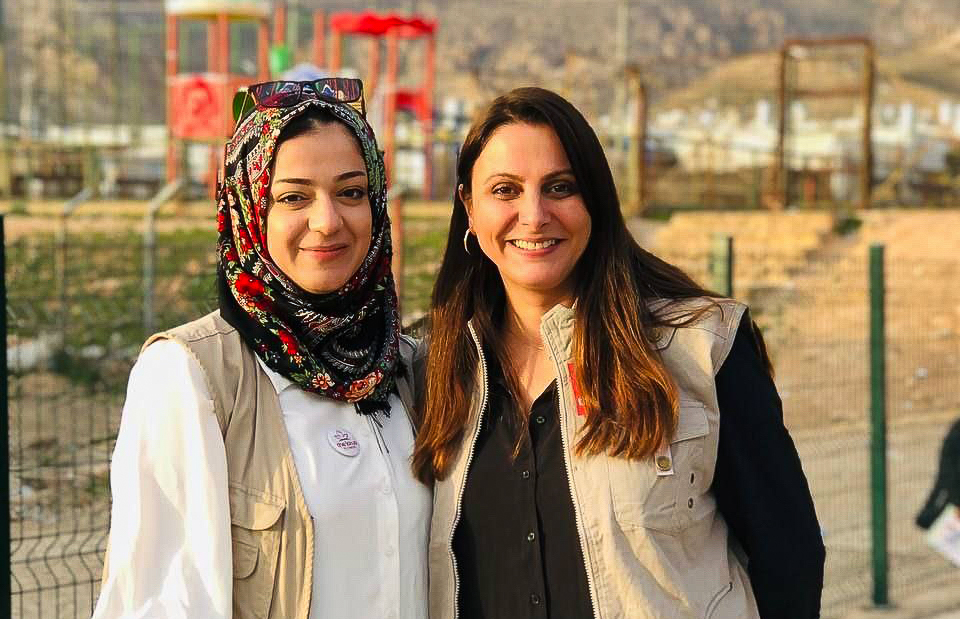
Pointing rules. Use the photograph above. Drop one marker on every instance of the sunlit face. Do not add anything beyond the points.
(527, 211)
(319, 221)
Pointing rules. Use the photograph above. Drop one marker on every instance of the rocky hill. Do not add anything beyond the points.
(486, 46)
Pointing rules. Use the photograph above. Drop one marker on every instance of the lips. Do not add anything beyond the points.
(324, 252)
(324, 248)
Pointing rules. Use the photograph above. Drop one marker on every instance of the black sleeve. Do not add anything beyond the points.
(948, 477)
(760, 487)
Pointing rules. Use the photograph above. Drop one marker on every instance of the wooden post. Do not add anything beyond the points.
(263, 51)
(212, 46)
(335, 49)
(780, 186)
(222, 68)
(641, 146)
(319, 40)
(426, 117)
(390, 106)
(280, 24)
(395, 206)
(172, 69)
(373, 68)
(866, 173)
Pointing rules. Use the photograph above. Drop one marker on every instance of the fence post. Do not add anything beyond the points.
(396, 196)
(62, 257)
(878, 429)
(6, 585)
(720, 265)
(166, 194)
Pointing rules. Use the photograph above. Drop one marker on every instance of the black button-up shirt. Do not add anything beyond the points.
(517, 547)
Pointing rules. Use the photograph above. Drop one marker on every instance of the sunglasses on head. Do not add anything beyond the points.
(283, 93)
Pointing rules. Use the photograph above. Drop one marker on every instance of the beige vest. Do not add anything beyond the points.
(654, 546)
(271, 529)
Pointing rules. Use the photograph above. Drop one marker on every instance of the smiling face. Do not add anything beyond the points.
(319, 221)
(527, 212)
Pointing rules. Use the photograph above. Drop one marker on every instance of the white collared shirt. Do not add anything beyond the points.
(169, 549)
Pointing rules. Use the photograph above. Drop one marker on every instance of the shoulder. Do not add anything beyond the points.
(164, 359)
(705, 323)
(409, 348)
(222, 359)
(210, 339)
(165, 384)
(211, 325)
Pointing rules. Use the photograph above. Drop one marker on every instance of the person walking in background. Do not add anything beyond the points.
(605, 436)
(946, 485)
(940, 514)
(262, 463)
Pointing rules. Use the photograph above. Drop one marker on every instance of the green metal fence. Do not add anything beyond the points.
(75, 318)
(866, 348)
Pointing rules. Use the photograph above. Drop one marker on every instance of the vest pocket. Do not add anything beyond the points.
(643, 499)
(256, 520)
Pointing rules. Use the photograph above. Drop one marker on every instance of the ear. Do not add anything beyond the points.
(465, 197)
(467, 200)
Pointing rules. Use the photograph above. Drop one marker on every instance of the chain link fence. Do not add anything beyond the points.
(75, 327)
(75, 314)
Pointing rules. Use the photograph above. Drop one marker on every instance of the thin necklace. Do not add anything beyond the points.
(527, 342)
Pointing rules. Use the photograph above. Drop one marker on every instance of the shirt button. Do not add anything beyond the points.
(541, 419)
(389, 552)
(525, 475)
(535, 599)
(531, 536)
(386, 489)
(663, 463)
(690, 503)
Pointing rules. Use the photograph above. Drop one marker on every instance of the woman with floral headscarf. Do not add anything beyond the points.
(262, 464)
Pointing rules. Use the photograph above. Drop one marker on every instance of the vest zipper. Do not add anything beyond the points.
(591, 585)
(466, 471)
(717, 598)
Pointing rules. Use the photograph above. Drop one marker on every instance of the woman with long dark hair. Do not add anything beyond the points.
(604, 434)
(262, 464)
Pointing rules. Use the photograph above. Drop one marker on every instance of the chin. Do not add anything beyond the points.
(323, 286)
(546, 286)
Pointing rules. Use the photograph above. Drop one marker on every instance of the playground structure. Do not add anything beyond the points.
(418, 100)
(198, 103)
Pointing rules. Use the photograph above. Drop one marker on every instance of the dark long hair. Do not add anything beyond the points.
(630, 399)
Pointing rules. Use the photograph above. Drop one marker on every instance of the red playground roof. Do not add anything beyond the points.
(378, 24)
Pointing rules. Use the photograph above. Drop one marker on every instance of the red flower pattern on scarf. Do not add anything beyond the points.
(248, 286)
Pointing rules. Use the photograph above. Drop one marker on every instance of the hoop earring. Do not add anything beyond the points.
(466, 238)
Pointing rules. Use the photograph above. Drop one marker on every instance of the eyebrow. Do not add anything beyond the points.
(520, 179)
(308, 182)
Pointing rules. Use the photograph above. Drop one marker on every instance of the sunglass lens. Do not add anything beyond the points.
(339, 88)
(276, 94)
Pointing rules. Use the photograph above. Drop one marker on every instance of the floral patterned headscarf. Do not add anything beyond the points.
(342, 344)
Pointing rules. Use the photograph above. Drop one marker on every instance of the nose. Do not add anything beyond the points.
(323, 216)
(532, 210)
